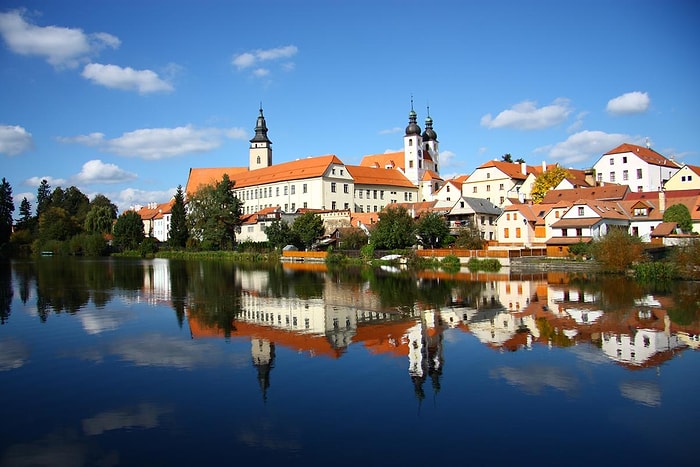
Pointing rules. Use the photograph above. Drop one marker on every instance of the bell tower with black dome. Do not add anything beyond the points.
(260, 146)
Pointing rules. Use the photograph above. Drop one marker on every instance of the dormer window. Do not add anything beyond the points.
(641, 211)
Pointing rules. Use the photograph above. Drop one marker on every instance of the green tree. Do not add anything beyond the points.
(395, 229)
(179, 233)
(686, 259)
(101, 200)
(352, 238)
(215, 214)
(618, 250)
(469, 237)
(128, 231)
(679, 214)
(307, 228)
(507, 157)
(56, 224)
(99, 220)
(432, 229)
(43, 197)
(7, 207)
(25, 214)
(279, 234)
(546, 181)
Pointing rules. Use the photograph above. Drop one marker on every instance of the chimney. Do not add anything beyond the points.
(662, 201)
(523, 168)
(544, 166)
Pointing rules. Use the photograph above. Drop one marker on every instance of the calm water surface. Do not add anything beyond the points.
(156, 362)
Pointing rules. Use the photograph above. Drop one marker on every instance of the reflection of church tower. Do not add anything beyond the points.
(263, 352)
(425, 353)
(260, 145)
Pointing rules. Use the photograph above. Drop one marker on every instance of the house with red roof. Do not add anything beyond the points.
(639, 167)
(497, 181)
(687, 178)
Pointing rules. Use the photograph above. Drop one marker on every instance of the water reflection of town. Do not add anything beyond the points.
(505, 314)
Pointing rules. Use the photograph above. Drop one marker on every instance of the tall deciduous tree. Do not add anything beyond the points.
(308, 227)
(395, 229)
(679, 214)
(618, 250)
(432, 229)
(469, 237)
(57, 224)
(279, 234)
(128, 231)
(7, 207)
(546, 181)
(99, 220)
(101, 200)
(179, 232)
(215, 214)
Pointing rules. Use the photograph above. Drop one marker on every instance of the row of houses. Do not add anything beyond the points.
(496, 197)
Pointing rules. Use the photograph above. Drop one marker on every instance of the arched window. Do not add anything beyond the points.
(258, 159)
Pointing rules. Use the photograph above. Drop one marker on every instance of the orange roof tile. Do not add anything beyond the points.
(299, 169)
(363, 175)
(390, 159)
(511, 169)
(605, 192)
(648, 155)
(431, 175)
(209, 176)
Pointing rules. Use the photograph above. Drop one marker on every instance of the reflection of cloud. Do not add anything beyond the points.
(264, 434)
(589, 354)
(62, 449)
(172, 352)
(534, 379)
(142, 416)
(96, 321)
(13, 354)
(645, 392)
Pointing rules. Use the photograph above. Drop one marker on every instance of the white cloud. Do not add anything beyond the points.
(630, 103)
(252, 59)
(390, 131)
(127, 79)
(92, 139)
(446, 158)
(14, 353)
(14, 140)
(129, 197)
(62, 47)
(143, 416)
(31, 197)
(53, 182)
(96, 171)
(160, 143)
(527, 116)
(584, 145)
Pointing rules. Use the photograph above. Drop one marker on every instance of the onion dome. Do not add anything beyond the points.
(429, 134)
(412, 128)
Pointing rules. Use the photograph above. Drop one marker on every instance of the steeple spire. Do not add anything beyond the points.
(261, 129)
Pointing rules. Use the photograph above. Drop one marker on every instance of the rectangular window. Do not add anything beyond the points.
(639, 174)
(292, 188)
(581, 210)
(306, 205)
(624, 159)
(600, 177)
(369, 208)
(347, 206)
(294, 207)
(506, 233)
(375, 208)
(332, 187)
(612, 161)
(517, 232)
(346, 188)
(375, 194)
(304, 188)
(515, 216)
(381, 194)
(333, 206)
(564, 233)
(359, 192)
(277, 191)
(286, 207)
(410, 164)
(579, 232)
(612, 176)
(483, 220)
(625, 174)
(501, 187)
(286, 189)
(474, 190)
(368, 193)
(507, 216)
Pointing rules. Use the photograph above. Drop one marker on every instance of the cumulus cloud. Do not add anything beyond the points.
(447, 158)
(60, 46)
(14, 140)
(53, 181)
(96, 171)
(129, 197)
(644, 392)
(253, 59)
(584, 145)
(160, 143)
(630, 103)
(126, 79)
(527, 116)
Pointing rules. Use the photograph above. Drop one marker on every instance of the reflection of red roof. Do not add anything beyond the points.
(385, 337)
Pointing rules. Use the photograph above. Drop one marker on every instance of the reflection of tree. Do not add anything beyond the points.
(404, 290)
(686, 309)
(616, 292)
(553, 334)
(60, 286)
(5, 290)
(214, 294)
(25, 274)
(178, 288)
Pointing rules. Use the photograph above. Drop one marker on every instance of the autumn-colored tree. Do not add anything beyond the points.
(546, 181)
(618, 250)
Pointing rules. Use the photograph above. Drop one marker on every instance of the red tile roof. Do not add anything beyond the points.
(199, 177)
(511, 169)
(363, 175)
(605, 192)
(648, 155)
(392, 159)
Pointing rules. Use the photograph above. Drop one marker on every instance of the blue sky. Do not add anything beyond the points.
(123, 97)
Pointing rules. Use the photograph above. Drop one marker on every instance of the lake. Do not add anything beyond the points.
(161, 362)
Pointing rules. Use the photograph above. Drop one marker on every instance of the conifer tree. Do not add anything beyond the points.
(7, 207)
(179, 233)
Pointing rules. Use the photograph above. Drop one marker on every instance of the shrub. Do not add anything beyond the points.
(450, 263)
(618, 250)
(489, 264)
(655, 271)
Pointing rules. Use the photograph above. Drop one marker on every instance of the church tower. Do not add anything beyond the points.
(260, 145)
(412, 149)
(430, 146)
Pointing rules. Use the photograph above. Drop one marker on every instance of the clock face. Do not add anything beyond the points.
(420, 153)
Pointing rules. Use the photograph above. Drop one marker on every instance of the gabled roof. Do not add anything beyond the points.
(648, 155)
(481, 205)
(604, 209)
(417, 208)
(209, 176)
(390, 159)
(605, 192)
(431, 175)
(363, 175)
(156, 211)
(299, 169)
(511, 169)
(654, 195)
(528, 211)
(664, 229)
